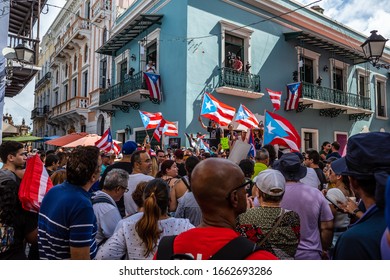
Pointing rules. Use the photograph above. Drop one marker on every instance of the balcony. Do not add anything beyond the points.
(240, 84)
(37, 113)
(78, 31)
(326, 98)
(71, 110)
(127, 93)
(43, 81)
(100, 10)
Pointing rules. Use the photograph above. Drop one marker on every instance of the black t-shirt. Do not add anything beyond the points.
(215, 136)
(23, 223)
(321, 176)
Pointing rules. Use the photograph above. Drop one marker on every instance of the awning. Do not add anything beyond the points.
(303, 37)
(129, 32)
(26, 138)
(66, 139)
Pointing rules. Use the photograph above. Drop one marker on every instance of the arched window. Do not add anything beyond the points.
(100, 125)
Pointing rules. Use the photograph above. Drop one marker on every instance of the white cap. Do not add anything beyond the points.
(271, 182)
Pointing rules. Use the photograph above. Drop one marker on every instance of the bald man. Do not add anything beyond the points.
(220, 193)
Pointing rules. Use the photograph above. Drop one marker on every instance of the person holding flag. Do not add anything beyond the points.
(215, 132)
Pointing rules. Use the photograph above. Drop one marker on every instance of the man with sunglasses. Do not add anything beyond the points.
(104, 203)
(221, 197)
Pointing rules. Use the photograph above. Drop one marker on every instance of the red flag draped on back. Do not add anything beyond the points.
(35, 184)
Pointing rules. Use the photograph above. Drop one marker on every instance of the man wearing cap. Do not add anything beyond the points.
(311, 206)
(128, 149)
(269, 225)
(367, 164)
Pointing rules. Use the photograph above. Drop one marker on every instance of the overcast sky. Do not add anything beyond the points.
(361, 15)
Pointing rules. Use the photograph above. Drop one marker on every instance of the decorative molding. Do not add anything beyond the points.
(358, 117)
(133, 105)
(331, 112)
(302, 107)
(123, 108)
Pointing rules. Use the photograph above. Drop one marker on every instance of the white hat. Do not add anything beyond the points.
(271, 182)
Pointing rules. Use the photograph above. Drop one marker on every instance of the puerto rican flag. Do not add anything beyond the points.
(116, 148)
(165, 128)
(216, 110)
(105, 142)
(34, 185)
(246, 117)
(278, 130)
(294, 92)
(252, 151)
(153, 84)
(275, 98)
(150, 120)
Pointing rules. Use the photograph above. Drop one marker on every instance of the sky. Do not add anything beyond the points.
(360, 15)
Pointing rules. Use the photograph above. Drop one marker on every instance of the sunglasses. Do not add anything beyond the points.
(247, 182)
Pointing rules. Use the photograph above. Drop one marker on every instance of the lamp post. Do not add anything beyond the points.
(373, 49)
(24, 53)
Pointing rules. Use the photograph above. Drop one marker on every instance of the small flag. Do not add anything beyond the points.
(158, 132)
(153, 84)
(252, 151)
(275, 98)
(116, 148)
(246, 117)
(105, 142)
(294, 92)
(216, 110)
(150, 120)
(170, 129)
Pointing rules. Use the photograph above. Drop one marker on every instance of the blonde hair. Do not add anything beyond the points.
(58, 177)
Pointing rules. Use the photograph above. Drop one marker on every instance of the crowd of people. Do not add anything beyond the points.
(197, 204)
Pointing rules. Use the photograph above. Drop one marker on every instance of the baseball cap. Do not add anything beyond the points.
(129, 147)
(271, 182)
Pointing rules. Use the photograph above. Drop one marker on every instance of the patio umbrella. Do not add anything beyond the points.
(87, 140)
(66, 139)
(26, 138)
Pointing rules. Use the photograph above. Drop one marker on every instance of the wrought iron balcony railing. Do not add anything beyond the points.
(335, 96)
(37, 113)
(123, 88)
(240, 80)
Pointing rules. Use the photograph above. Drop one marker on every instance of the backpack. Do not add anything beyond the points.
(237, 249)
(102, 199)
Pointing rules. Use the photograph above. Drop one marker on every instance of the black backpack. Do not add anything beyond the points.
(237, 249)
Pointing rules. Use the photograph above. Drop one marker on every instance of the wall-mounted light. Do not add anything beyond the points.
(128, 129)
(133, 57)
(326, 68)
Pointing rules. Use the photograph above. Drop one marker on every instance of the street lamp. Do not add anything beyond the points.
(373, 49)
(24, 53)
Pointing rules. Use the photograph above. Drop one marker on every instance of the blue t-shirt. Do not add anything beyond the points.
(66, 219)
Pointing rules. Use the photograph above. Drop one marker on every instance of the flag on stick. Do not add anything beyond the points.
(246, 117)
(216, 110)
(294, 92)
(278, 130)
(275, 98)
(150, 120)
(105, 142)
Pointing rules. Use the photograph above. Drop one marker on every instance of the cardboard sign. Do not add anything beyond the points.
(240, 151)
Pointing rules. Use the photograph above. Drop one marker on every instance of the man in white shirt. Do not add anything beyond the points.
(142, 166)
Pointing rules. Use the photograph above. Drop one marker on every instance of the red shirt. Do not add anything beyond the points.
(202, 243)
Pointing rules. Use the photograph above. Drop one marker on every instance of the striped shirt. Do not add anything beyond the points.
(66, 219)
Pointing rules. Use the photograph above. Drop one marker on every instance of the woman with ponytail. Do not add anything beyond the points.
(138, 240)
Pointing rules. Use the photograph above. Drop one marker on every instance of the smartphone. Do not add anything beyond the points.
(334, 204)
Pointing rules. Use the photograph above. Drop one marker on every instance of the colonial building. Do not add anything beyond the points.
(192, 44)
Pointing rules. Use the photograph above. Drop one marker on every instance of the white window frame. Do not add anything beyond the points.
(334, 63)
(238, 31)
(125, 56)
(153, 37)
(366, 74)
(311, 55)
(315, 138)
(383, 80)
